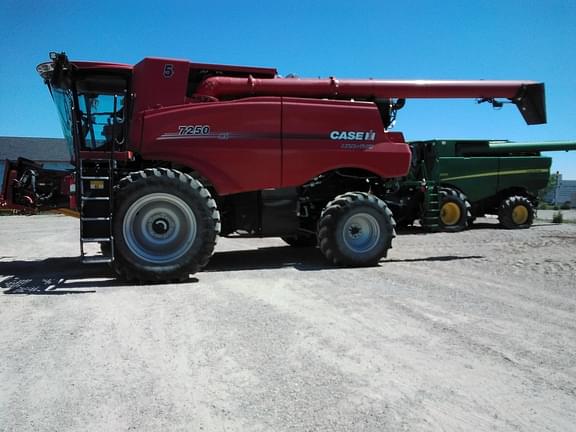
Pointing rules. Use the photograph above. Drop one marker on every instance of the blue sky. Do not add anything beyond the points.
(533, 40)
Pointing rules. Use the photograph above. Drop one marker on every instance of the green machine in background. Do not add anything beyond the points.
(452, 182)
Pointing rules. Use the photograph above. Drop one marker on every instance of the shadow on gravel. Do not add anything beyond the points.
(484, 225)
(303, 259)
(53, 276)
(57, 276)
(416, 230)
(437, 258)
(273, 257)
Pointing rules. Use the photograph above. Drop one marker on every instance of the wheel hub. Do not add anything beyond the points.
(361, 232)
(355, 231)
(159, 228)
(450, 213)
(520, 215)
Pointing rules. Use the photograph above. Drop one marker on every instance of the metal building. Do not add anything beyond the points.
(51, 152)
(565, 191)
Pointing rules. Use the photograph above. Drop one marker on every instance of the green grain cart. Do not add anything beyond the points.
(452, 182)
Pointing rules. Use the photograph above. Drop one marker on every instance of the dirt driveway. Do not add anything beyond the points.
(472, 331)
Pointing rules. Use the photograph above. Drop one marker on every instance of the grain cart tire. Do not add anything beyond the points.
(166, 225)
(454, 210)
(516, 212)
(301, 240)
(356, 229)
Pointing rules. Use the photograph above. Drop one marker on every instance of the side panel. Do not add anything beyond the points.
(476, 177)
(155, 83)
(159, 82)
(322, 135)
(235, 145)
(528, 172)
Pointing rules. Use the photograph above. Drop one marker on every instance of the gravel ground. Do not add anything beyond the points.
(467, 331)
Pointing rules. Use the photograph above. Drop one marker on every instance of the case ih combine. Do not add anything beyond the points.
(171, 154)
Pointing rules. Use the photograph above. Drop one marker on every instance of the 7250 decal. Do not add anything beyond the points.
(194, 130)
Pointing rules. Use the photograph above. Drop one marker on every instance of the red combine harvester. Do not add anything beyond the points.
(170, 154)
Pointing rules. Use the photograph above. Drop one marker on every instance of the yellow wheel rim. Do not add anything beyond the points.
(450, 213)
(520, 214)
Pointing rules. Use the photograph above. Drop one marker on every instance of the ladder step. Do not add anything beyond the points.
(94, 219)
(95, 239)
(95, 198)
(96, 260)
(95, 178)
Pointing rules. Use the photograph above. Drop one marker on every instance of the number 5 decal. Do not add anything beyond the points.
(168, 70)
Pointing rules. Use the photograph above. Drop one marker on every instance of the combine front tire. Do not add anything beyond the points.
(516, 212)
(165, 227)
(356, 229)
(454, 210)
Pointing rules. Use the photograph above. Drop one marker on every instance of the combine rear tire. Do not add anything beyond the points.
(165, 227)
(355, 229)
(301, 240)
(454, 210)
(516, 212)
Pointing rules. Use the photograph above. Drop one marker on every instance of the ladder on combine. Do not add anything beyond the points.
(96, 170)
(431, 216)
(431, 211)
(96, 194)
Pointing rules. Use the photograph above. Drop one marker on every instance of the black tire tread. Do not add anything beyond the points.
(329, 219)
(506, 208)
(456, 196)
(126, 268)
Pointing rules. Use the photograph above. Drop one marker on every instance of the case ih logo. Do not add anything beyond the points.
(353, 135)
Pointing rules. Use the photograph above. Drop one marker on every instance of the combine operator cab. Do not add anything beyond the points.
(91, 104)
